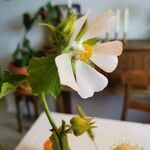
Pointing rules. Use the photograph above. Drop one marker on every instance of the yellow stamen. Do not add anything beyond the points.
(88, 47)
(84, 54)
(87, 53)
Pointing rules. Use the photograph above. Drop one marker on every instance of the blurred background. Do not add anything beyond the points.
(126, 98)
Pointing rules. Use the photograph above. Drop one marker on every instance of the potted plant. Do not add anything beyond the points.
(49, 13)
(21, 57)
(24, 52)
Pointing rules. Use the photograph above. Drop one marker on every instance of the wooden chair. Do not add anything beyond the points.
(133, 80)
(63, 102)
(19, 95)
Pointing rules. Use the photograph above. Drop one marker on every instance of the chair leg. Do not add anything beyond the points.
(124, 113)
(67, 101)
(35, 104)
(17, 101)
(125, 103)
(28, 105)
(63, 102)
(60, 104)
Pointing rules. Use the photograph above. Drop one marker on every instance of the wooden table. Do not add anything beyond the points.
(108, 133)
(135, 56)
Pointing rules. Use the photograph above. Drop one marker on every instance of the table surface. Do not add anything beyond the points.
(108, 133)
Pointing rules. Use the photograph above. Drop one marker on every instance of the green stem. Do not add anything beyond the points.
(48, 113)
(68, 130)
(63, 142)
(61, 137)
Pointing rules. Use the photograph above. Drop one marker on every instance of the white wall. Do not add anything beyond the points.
(11, 30)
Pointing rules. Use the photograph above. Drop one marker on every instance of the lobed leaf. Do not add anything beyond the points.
(6, 88)
(10, 82)
(43, 76)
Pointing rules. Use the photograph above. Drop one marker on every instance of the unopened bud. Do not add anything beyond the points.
(81, 125)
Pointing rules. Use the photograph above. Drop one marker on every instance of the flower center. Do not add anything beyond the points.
(85, 54)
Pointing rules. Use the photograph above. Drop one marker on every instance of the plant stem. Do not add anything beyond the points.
(48, 113)
(63, 142)
(61, 137)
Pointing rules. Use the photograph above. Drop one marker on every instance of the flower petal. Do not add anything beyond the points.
(78, 25)
(104, 22)
(106, 62)
(89, 80)
(63, 63)
(110, 48)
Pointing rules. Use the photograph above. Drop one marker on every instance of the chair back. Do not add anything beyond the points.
(136, 77)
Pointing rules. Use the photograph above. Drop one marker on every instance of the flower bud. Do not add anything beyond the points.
(66, 26)
(81, 125)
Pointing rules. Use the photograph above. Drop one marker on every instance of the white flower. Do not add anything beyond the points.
(86, 80)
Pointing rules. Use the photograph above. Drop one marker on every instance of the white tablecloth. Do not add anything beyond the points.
(108, 133)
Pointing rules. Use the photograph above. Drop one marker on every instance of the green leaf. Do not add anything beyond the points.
(12, 78)
(6, 88)
(43, 76)
(10, 82)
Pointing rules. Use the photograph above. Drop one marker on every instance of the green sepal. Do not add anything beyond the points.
(49, 25)
(10, 82)
(82, 31)
(92, 41)
(60, 35)
(67, 25)
(58, 39)
(43, 76)
(82, 114)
